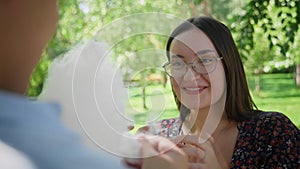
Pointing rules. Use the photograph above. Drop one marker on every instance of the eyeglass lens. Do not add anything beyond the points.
(204, 64)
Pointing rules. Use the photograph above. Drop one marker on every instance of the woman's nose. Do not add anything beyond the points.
(191, 75)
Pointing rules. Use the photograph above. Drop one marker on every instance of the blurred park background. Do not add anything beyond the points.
(266, 32)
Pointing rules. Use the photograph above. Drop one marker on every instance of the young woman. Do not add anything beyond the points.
(220, 124)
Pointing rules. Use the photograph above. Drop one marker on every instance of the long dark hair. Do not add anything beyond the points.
(239, 105)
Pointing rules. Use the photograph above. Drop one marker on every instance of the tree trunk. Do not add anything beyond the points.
(193, 9)
(204, 8)
(257, 84)
(298, 74)
(165, 79)
(144, 85)
(144, 96)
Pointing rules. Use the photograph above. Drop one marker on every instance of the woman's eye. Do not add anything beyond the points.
(177, 64)
(205, 60)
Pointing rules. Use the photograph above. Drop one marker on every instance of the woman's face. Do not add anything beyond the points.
(197, 90)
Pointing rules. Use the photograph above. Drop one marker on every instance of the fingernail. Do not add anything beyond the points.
(142, 139)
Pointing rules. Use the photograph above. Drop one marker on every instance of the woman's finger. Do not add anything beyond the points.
(130, 127)
(161, 153)
(184, 139)
(196, 141)
(162, 145)
(177, 139)
(194, 154)
(143, 129)
(148, 149)
(195, 166)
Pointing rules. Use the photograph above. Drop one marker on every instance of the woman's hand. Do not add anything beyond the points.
(159, 152)
(200, 155)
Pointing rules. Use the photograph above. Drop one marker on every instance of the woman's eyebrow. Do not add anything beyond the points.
(202, 52)
(177, 56)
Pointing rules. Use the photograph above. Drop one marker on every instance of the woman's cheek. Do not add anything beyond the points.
(176, 87)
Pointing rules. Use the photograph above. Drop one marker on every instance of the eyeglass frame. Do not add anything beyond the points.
(192, 66)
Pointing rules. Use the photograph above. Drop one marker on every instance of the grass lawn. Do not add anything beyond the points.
(278, 93)
(159, 101)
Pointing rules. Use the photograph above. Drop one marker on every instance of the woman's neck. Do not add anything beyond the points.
(194, 122)
(204, 122)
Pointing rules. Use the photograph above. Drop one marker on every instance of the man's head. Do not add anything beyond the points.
(26, 27)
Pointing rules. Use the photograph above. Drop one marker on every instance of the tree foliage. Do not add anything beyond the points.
(280, 21)
(79, 20)
(278, 18)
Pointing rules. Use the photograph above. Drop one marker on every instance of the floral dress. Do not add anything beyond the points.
(267, 141)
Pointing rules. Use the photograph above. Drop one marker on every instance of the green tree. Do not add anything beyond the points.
(278, 18)
(81, 19)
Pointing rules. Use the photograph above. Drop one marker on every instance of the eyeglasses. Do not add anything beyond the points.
(176, 67)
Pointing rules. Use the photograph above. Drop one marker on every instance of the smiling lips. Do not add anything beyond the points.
(194, 90)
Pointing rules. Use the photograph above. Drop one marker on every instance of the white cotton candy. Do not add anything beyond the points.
(90, 89)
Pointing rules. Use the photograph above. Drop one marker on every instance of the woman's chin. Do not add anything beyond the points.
(192, 106)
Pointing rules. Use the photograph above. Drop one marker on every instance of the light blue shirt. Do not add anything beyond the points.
(35, 129)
